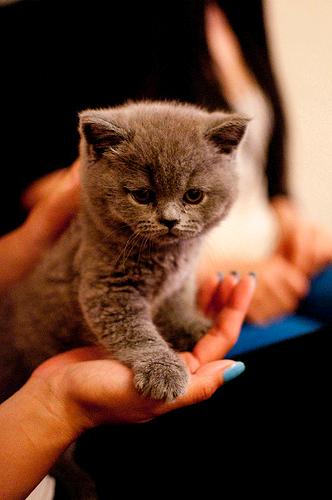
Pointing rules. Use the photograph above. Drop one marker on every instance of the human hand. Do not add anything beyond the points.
(53, 201)
(86, 389)
(304, 244)
(308, 247)
(280, 287)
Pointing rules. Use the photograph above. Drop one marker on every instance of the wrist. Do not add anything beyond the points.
(35, 430)
(52, 409)
(55, 402)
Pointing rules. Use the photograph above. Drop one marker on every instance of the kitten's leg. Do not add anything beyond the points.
(119, 318)
(13, 372)
(179, 320)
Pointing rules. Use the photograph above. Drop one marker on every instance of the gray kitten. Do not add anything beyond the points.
(156, 177)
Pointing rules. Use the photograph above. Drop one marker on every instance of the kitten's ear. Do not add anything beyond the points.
(228, 133)
(101, 134)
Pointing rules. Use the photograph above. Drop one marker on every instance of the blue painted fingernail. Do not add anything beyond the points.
(234, 371)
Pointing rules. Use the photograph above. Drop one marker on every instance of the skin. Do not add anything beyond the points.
(305, 248)
(54, 202)
(80, 389)
(57, 403)
(284, 277)
(303, 243)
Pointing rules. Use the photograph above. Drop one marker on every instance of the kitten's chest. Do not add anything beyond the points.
(173, 271)
(156, 274)
(162, 274)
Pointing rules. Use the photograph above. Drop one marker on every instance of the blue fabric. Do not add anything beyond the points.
(314, 311)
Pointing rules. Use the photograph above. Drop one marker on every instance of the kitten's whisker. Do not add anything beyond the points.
(141, 248)
(210, 253)
(150, 248)
(125, 252)
(114, 232)
(130, 245)
(145, 242)
(134, 242)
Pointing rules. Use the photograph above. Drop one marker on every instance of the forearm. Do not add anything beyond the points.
(34, 430)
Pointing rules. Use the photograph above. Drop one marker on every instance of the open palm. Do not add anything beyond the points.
(101, 390)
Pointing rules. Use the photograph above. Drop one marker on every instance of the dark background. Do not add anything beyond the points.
(59, 57)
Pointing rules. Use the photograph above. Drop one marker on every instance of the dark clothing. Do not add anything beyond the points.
(262, 435)
(59, 57)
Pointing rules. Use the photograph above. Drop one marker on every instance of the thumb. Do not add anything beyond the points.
(21, 249)
(52, 213)
(207, 379)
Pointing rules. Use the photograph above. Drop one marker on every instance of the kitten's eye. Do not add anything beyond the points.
(193, 196)
(143, 196)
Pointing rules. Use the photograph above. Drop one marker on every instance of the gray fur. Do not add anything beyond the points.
(118, 276)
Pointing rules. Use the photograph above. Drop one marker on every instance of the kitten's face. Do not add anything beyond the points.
(163, 172)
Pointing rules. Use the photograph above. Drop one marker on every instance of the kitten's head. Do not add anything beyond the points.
(164, 171)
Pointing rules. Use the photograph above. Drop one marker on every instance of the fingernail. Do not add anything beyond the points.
(253, 275)
(233, 371)
(235, 274)
(220, 276)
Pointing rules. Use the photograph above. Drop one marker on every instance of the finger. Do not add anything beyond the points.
(294, 244)
(52, 214)
(295, 280)
(41, 188)
(222, 293)
(275, 300)
(280, 287)
(284, 286)
(265, 309)
(321, 251)
(280, 298)
(190, 361)
(23, 247)
(222, 336)
(260, 311)
(301, 252)
(206, 291)
(73, 356)
(204, 383)
(326, 257)
(14, 259)
(44, 187)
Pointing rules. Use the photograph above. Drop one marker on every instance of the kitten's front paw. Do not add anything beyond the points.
(161, 377)
(187, 335)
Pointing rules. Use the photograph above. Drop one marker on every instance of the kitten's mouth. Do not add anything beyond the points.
(173, 235)
(170, 236)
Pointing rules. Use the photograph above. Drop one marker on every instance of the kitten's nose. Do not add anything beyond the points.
(170, 223)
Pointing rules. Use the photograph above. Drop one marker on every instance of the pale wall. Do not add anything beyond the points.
(301, 43)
